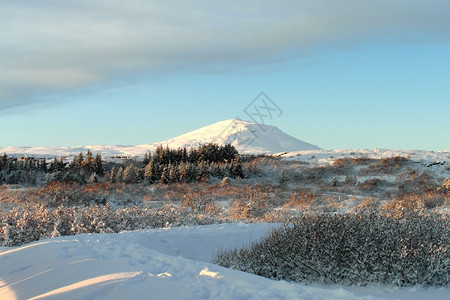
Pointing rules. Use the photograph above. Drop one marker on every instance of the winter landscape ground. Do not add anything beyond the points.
(147, 222)
(224, 149)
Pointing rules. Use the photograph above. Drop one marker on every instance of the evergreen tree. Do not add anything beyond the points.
(57, 165)
(130, 174)
(236, 168)
(185, 156)
(112, 175)
(44, 165)
(147, 159)
(165, 175)
(97, 165)
(182, 172)
(173, 173)
(89, 159)
(149, 172)
(78, 159)
(193, 155)
(93, 178)
(228, 152)
(202, 171)
(3, 161)
(119, 174)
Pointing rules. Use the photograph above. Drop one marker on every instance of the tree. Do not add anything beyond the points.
(130, 174)
(165, 175)
(149, 172)
(236, 168)
(97, 165)
(202, 171)
(57, 165)
(112, 175)
(44, 165)
(78, 159)
(3, 161)
(147, 158)
(119, 174)
(89, 159)
(228, 152)
(173, 173)
(93, 178)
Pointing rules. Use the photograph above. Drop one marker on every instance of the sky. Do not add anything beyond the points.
(345, 74)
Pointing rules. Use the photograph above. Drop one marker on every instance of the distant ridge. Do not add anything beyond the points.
(247, 137)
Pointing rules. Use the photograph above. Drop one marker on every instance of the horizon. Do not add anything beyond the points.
(174, 143)
(336, 75)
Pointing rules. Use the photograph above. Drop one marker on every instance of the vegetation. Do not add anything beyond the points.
(164, 165)
(356, 221)
(351, 249)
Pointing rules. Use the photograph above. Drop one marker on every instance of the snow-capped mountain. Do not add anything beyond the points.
(247, 137)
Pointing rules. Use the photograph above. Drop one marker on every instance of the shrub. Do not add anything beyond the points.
(301, 200)
(351, 249)
(25, 224)
(446, 184)
(409, 202)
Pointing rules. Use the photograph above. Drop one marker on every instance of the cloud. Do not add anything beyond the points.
(50, 47)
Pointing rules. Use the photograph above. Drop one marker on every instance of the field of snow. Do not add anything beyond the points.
(323, 157)
(171, 263)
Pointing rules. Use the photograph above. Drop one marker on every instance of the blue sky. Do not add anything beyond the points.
(353, 74)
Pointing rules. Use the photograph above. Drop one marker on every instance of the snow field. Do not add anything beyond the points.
(171, 263)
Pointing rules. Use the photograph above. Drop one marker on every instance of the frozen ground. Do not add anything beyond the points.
(168, 263)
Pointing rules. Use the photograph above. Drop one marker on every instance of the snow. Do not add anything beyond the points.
(170, 263)
(322, 157)
(247, 137)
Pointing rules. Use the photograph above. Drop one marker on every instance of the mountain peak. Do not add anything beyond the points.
(247, 137)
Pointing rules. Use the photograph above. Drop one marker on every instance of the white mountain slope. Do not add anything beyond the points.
(247, 137)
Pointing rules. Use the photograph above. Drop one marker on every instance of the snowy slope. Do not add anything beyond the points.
(247, 137)
(159, 264)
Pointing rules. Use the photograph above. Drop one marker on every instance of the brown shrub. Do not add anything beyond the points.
(239, 210)
(367, 204)
(446, 184)
(410, 202)
(301, 200)
(371, 184)
(348, 162)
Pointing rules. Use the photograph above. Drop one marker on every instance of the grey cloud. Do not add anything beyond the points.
(53, 46)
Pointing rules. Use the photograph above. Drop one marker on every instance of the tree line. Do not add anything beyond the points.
(167, 165)
(164, 165)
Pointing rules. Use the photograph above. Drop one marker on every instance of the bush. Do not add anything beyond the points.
(301, 200)
(25, 224)
(409, 202)
(351, 249)
(446, 184)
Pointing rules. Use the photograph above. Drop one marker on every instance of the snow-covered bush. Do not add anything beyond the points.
(25, 224)
(351, 249)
